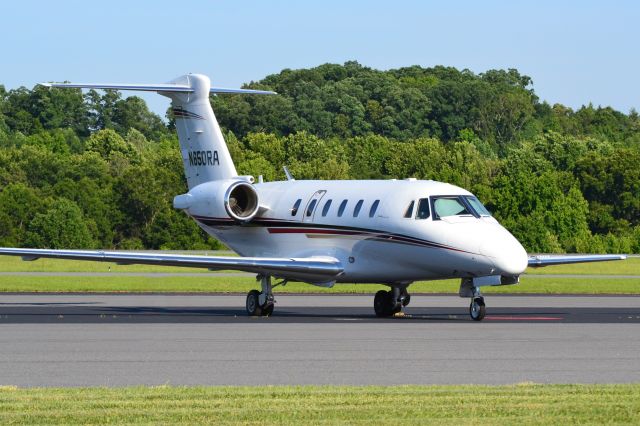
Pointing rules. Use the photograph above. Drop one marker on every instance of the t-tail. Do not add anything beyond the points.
(204, 152)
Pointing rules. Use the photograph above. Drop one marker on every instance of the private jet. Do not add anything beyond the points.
(323, 232)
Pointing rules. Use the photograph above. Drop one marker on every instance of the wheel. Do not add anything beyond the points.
(253, 304)
(393, 305)
(385, 305)
(477, 309)
(406, 300)
(380, 303)
(267, 311)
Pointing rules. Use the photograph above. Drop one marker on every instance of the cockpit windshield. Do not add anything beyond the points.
(450, 206)
(446, 206)
(478, 206)
(457, 205)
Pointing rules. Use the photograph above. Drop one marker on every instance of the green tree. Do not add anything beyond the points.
(611, 184)
(62, 227)
(107, 143)
(19, 204)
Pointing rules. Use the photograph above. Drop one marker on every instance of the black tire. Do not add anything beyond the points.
(477, 309)
(267, 311)
(253, 304)
(406, 300)
(381, 303)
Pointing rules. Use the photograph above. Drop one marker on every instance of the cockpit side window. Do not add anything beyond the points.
(477, 206)
(409, 212)
(449, 206)
(423, 209)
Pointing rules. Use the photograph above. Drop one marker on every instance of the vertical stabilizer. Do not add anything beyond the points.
(204, 152)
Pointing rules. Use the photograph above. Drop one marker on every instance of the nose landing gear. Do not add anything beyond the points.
(477, 307)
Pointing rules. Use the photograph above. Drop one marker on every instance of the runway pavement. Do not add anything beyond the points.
(114, 340)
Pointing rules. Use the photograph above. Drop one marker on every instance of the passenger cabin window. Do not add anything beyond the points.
(326, 208)
(409, 213)
(343, 205)
(374, 207)
(356, 210)
(449, 206)
(312, 205)
(296, 206)
(423, 209)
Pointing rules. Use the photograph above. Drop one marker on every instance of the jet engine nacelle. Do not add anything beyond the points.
(232, 198)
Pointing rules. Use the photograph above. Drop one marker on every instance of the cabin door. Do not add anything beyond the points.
(312, 205)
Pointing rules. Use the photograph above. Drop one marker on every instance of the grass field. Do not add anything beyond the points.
(212, 283)
(533, 282)
(441, 405)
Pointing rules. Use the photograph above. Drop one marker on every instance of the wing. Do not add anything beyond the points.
(308, 269)
(548, 260)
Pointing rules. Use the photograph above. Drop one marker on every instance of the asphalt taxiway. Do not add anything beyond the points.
(115, 340)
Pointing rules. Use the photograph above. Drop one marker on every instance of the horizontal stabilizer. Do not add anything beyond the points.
(308, 269)
(166, 88)
(139, 87)
(241, 91)
(549, 260)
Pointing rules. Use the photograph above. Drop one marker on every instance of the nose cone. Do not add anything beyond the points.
(505, 251)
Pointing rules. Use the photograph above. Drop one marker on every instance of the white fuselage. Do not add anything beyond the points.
(375, 245)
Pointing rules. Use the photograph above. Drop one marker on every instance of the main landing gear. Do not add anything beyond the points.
(261, 303)
(389, 303)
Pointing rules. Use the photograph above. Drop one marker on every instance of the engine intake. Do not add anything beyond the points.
(241, 201)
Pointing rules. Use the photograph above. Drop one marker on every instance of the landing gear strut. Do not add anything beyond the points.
(477, 308)
(388, 303)
(261, 303)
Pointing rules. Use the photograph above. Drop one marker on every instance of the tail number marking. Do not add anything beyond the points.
(203, 158)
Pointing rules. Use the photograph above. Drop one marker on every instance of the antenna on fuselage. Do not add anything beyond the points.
(287, 173)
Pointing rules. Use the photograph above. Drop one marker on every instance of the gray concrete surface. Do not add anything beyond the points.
(96, 340)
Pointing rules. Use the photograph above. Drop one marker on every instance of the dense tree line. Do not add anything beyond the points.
(96, 170)
(499, 107)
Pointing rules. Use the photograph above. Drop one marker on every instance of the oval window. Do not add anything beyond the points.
(343, 205)
(326, 208)
(296, 206)
(374, 207)
(312, 205)
(356, 210)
